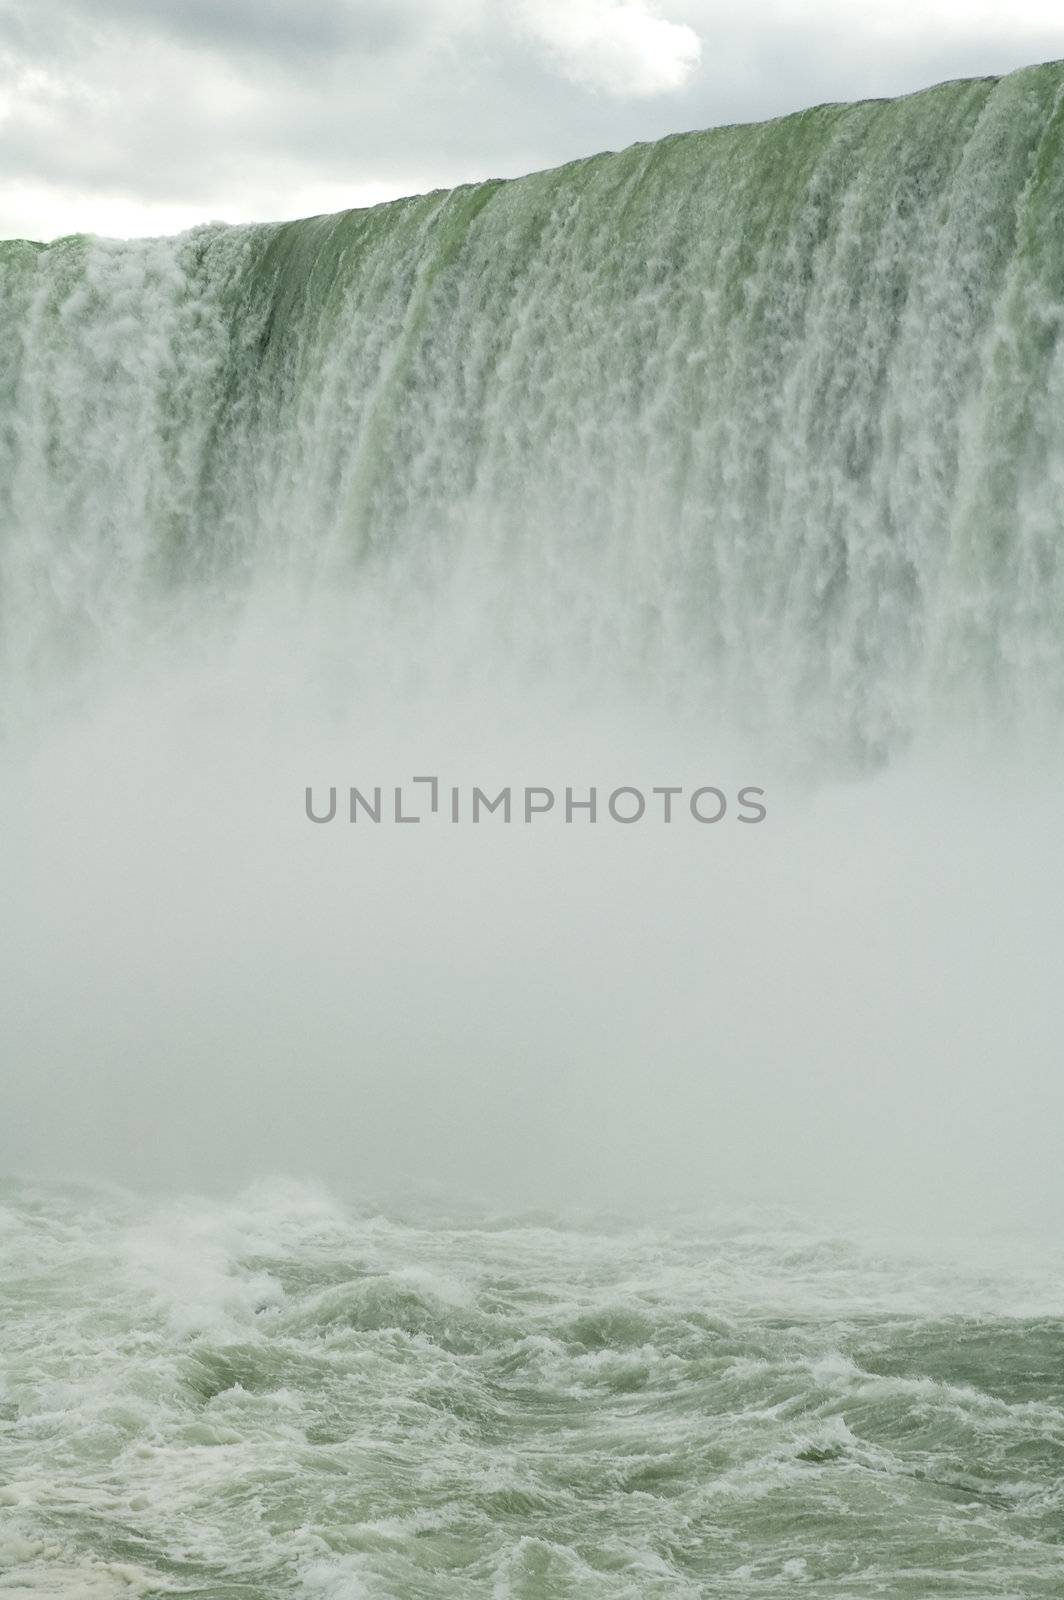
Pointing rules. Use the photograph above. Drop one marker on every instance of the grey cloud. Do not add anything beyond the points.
(242, 28)
(275, 27)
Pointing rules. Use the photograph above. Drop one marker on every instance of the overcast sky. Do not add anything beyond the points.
(145, 116)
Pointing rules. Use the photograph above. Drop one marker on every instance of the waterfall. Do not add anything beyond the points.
(767, 418)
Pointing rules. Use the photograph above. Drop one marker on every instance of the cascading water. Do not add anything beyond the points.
(772, 416)
(735, 459)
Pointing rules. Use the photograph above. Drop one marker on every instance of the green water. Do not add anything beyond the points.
(282, 1395)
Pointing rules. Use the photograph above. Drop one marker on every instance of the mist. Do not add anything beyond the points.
(850, 1006)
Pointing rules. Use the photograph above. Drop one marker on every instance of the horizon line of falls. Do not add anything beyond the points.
(767, 420)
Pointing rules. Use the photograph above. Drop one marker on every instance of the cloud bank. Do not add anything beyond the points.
(140, 116)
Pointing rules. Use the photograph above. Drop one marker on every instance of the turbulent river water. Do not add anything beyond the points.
(281, 1395)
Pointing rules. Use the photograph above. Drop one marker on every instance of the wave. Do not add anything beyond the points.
(284, 1394)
